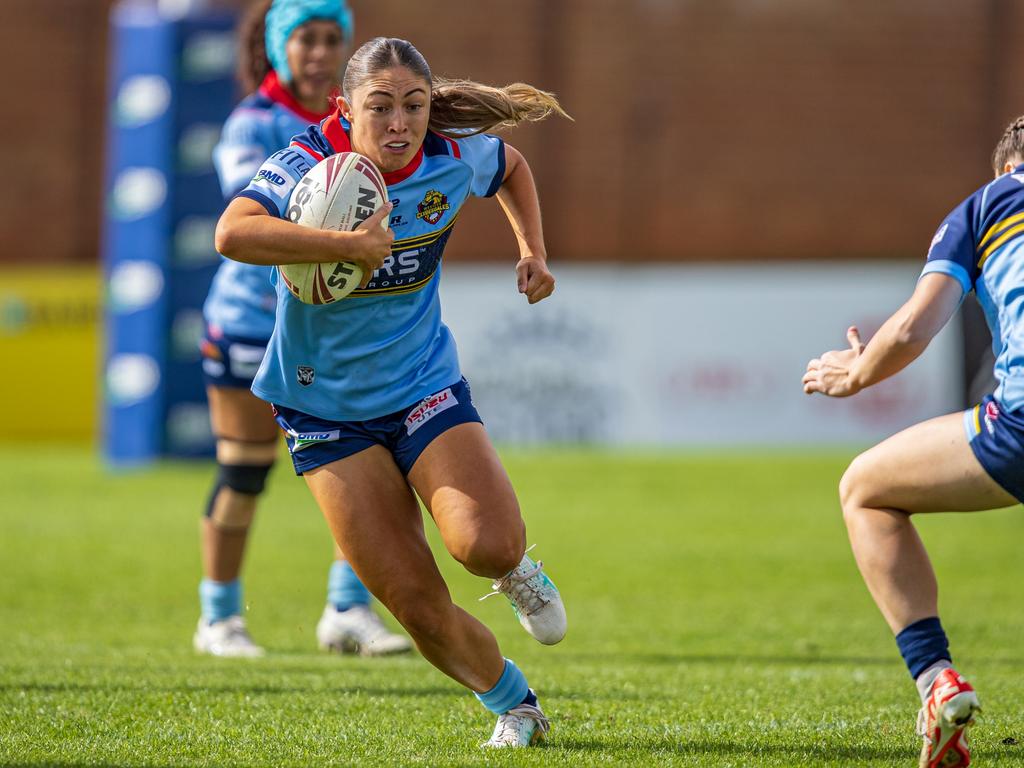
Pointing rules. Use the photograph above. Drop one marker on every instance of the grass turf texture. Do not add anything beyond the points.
(716, 619)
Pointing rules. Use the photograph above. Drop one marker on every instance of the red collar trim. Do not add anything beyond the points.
(272, 88)
(396, 177)
(335, 134)
(337, 137)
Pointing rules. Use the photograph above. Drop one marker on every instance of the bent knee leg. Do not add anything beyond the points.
(864, 487)
(490, 551)
(239, 483)
(854, 487)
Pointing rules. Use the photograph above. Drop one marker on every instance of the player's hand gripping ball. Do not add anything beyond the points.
(339, 193)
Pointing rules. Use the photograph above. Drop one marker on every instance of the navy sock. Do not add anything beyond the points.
(922, 644)
(531, 698)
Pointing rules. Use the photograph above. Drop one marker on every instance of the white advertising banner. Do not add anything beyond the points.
(687, 355)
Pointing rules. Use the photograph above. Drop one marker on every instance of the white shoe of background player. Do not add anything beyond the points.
(228, 638)
(358, 630)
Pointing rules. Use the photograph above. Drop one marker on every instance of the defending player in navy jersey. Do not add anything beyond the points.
(368, 389)
(305, 42)
(961, 462)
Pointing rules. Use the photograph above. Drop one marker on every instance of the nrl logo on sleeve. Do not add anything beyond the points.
(433, 206)
(429, 408)
(305, 375)
(938, 237)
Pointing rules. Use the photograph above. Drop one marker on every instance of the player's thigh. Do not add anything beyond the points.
(462, 482)
(237, 414)
(928, 467)
(377, 522)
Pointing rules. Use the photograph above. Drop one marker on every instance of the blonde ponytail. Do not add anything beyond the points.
(463, 107)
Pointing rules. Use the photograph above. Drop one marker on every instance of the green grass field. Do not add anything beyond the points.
(716, 619)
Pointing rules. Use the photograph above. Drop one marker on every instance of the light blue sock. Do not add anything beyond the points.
(220, 599)
(344, 589)
(510, 690)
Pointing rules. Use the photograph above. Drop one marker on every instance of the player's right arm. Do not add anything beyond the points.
(254, 228)
(246, 232)
(900, 341)
(948, 275)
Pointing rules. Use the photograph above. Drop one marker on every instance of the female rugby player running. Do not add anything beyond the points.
(960, 462)
(305, 41)
(368, 389)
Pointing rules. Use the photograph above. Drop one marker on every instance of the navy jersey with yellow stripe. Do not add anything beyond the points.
(384, 347)
(981, 245)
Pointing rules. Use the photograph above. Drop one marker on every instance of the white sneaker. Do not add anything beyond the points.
(521, 726)
(228, 638)
(358, 630)
(535, 600)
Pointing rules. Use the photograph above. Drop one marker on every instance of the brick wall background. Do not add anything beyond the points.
(704, 129)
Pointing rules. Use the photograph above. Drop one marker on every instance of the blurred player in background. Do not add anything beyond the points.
(305, 42)
(374, 380)
(961, 462)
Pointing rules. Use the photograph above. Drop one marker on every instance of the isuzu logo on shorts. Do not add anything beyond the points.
(305, 375)
(991, 414)
(429, 408)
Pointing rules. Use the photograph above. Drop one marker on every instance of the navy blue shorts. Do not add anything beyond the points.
(997, 439)
(230, 361)
(314, 442)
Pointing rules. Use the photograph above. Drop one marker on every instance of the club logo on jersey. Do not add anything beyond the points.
(991, 414)
(429, 408)
(305, 375)
(433, 206)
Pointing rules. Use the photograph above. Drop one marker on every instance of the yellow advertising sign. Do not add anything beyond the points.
(50, 320)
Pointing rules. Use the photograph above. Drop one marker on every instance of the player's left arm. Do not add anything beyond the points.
(900, 341)
(518, 198)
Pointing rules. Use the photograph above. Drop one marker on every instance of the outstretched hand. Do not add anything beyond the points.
(534, 279)
(830, 373)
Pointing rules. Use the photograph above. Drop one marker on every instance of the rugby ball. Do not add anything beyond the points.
(339, 193)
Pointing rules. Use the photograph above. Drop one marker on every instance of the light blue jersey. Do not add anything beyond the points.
(242, 299)
(981, 244)
(383, 348)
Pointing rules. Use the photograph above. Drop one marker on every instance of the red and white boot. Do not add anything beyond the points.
(943, 720)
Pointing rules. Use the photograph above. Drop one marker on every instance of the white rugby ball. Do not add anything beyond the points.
(339, 193)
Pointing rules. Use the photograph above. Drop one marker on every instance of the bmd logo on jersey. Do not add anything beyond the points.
(429, 408)
(433, 206)
(273, 178)
(305, 374)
